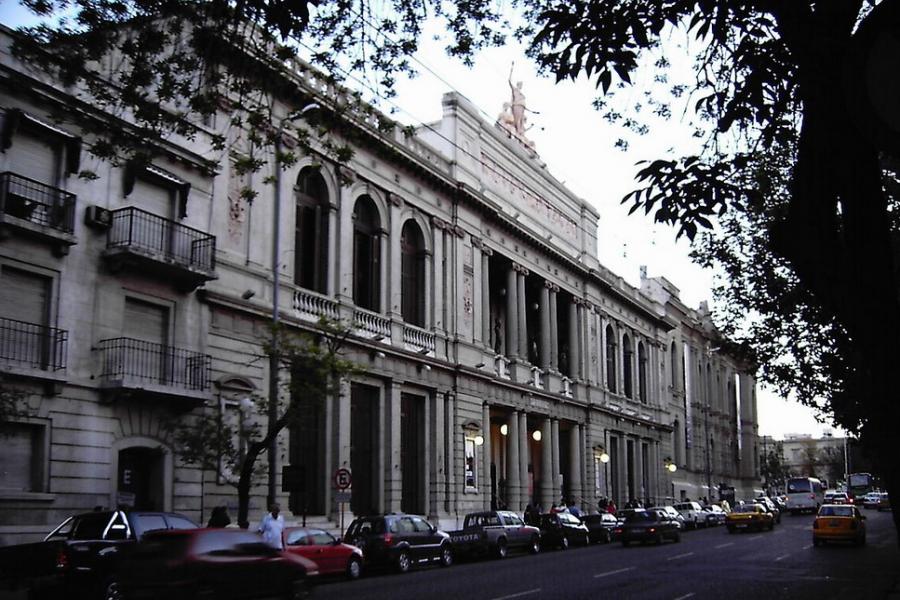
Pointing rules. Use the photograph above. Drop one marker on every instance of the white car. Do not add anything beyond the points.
(672, 513)
(693, 514)
(871, 499)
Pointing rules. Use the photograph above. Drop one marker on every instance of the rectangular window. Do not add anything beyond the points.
(24, 457)
(471, 465)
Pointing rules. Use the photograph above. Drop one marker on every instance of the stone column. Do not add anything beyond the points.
(437, 474)
(478, 331)
(345, 251)
(639, 491)
(485, 483)
(601, 340)
(332, 263)
(393, 484)
(380, 454)
(575, 464)
(486, 324)
(554, 448)
(574, 359)
(545, 326)
(524, 459)
(391, 285)
(450, 451)
(513, 483)
(546, 482)
(439, 292)
(328, 461)
(523, 324)
(554, 330)
(512, 314)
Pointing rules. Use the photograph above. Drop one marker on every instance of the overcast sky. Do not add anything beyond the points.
(578, 146)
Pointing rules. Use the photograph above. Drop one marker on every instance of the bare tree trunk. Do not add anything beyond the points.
(245, 481)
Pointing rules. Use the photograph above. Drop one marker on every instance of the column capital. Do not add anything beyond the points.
(394, 199)
(346, 175)
(459, 231)
(439, 223)
(520, 269)
(477, 242)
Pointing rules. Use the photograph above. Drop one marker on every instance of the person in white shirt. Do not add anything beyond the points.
(271, 527)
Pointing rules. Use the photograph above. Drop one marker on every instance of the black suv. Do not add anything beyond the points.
(400, 541)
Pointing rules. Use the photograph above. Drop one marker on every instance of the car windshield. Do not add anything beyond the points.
(640, 517)
(747, 508)
(836, 511)
(798, 485)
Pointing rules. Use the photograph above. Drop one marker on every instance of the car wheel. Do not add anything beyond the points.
(659, 539)
(109, 590)
(564, 543)
(771, 526)
(354, 568)
(606, 537)
(535, 547)
(817, 542)
(730, 529)
(446, 555)
(403, 562)
(861, 541)
(677, 537)
(625, 543)
(501, 550)
(298, 590)
(587, 540)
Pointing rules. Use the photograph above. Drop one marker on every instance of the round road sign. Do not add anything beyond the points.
(342, 479)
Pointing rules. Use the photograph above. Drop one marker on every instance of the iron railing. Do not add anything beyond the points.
(151, 363)
(33, 346)
(133, 228)
(37, 202)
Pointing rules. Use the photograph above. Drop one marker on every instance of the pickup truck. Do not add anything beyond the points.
(79, 557)
(494, 533)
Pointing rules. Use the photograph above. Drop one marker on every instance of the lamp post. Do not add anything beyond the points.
(670, 467)
(604, 459)
(272, 413)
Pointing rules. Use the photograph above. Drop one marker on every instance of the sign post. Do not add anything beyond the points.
(342, 481)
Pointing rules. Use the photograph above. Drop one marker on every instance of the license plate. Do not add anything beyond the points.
(834, 523)
(741, 525)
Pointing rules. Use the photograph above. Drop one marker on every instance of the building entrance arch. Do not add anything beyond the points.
(141, 475)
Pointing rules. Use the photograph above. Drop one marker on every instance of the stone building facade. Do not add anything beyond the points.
(502, 363)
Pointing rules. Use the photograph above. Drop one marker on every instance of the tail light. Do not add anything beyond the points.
(812, 496)
(653, 530)
(62, 560)
(388, 539)
(617, 530)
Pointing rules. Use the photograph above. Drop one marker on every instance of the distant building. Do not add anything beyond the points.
(504, 365)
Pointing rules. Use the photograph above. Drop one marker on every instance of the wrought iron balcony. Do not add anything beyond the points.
(32, 346)
(37, 208)
(137, 237)
(132, 364)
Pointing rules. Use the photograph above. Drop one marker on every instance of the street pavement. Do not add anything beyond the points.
(707, 563)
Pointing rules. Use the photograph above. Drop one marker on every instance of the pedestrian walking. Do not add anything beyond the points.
(271, 527)
(219, 517)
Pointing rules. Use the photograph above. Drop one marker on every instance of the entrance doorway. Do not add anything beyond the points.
(363, 448)
(306, 451)
(412, 451)
(140, 479)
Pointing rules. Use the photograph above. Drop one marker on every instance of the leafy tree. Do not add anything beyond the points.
(792, 151)
(772, 469)
(316, 365)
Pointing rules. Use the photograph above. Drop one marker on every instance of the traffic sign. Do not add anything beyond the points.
(342, 479)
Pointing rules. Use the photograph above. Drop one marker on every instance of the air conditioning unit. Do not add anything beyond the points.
(97, 217)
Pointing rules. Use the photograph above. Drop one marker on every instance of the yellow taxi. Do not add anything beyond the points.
(839, 523)
(749, 516)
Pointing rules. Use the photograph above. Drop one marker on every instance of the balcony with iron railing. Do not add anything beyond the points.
(148, 242)
(31, 347)
(140, 366)
(37, 209)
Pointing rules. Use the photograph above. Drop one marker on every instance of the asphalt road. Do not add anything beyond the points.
(707, 563)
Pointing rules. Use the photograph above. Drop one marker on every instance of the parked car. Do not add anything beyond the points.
(600, 527)
(692, 513)
(749, 516)
(839, 522)
(770, 507)
(331, 556)
(884, 502)
(648, 526)
(494, 533)
(714, 515)
(225, 564)
(672, 513)
(400, 541)
(561, 530)
(80, 556)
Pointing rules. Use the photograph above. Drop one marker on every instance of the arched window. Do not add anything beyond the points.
(642, 373)
(366, 255)
(610, 358)
(311, 231)
(627, 355)
(412, 274)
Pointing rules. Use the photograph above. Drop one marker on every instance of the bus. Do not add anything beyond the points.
(804, 494)
(860, 484)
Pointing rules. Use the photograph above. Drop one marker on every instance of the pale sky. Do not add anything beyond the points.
(577, 145)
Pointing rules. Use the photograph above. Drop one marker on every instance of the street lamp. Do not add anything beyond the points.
(670, 465)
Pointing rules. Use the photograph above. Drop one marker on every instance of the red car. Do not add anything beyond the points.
(330, 555)
(224, 564)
